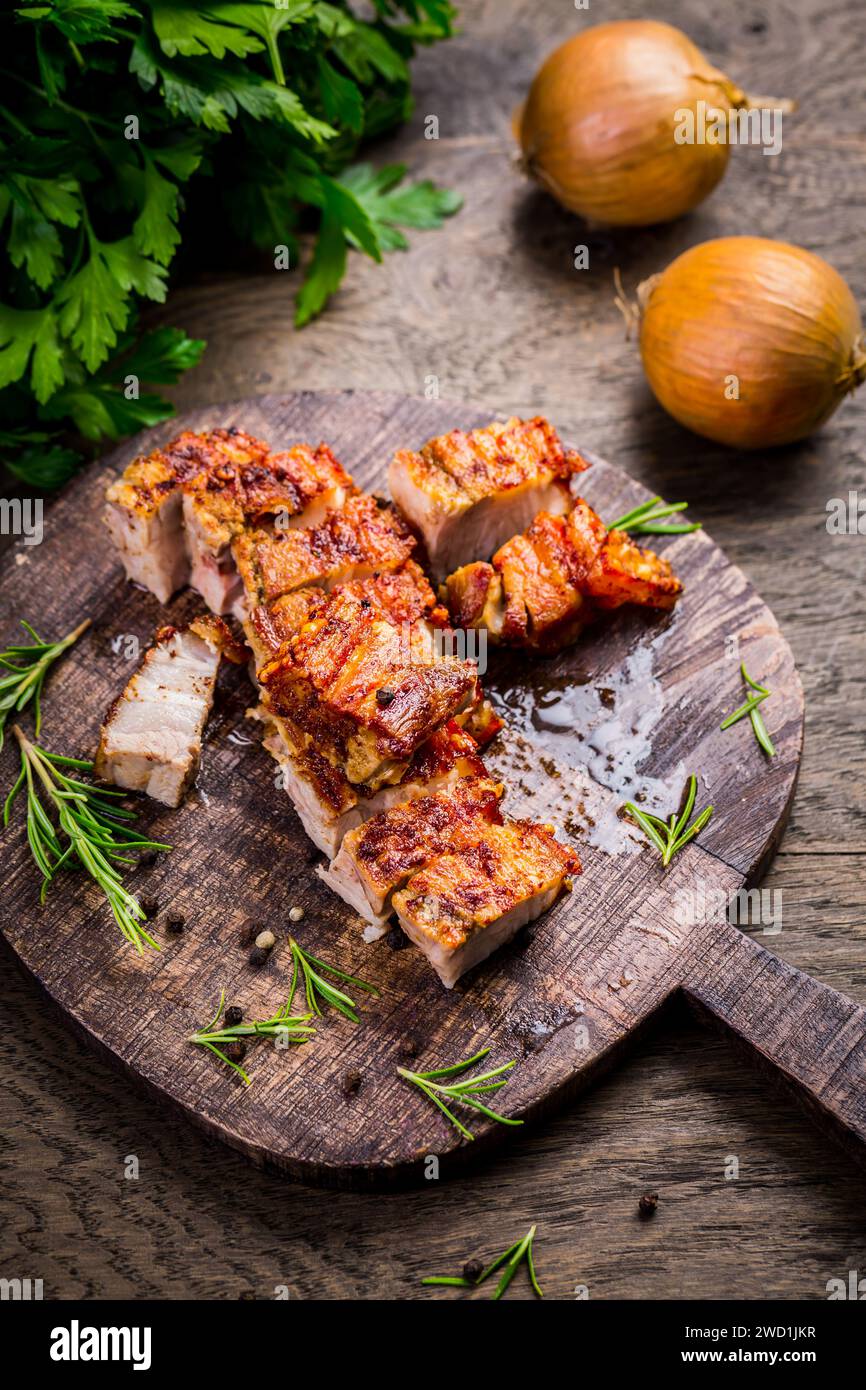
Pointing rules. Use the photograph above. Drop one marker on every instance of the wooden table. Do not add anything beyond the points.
(493, 310)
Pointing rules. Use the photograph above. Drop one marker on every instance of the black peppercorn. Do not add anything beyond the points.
(351, 1083)
(647, 1205)
(147, 859)
(149, 906)
(175, 922)
(408, 1048)
(258, 956)
(236, 1051)
(472, 1270)
(233, 1015)
(396, 939)
(384, 697)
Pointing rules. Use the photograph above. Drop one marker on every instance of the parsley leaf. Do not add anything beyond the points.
(388, 207)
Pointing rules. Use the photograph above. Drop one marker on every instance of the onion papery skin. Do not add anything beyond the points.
(597, 128)
(777, 318)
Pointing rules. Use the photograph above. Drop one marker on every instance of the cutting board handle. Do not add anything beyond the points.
(805, 1034)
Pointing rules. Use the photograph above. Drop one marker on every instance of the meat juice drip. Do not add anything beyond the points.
(590, 733)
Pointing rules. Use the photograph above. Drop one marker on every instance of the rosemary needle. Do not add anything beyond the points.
(25, 670)
(464, 1092)
(91, 828)
(511, 1258)
(316, 986)
(670, 836)
(645, 519)
(294, 1028)
(750, 708)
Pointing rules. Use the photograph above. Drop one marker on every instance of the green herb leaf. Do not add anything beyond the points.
(669, 837)
(390, 207)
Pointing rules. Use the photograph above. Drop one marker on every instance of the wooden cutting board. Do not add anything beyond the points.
(632, 710)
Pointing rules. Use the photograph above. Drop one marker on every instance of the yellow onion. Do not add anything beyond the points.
(750, 342)
(598, 127)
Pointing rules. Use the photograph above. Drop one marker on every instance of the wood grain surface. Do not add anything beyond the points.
(492, 308)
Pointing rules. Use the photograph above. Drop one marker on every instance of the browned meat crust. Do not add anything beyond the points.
(497, 458)
(401, 596)
(545, 585)
(354, 542)
(367, 691)
(149, 478)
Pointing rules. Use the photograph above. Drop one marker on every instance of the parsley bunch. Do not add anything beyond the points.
(124, 123)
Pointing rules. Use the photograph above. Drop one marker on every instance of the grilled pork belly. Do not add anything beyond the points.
(467, 493)
(145, 511)
(467, 903)
(354, 543)
(401, 596)
(545, 585)
(382, 854)
(363, 691)
(282, 491)
(329, 806)
(151, 738)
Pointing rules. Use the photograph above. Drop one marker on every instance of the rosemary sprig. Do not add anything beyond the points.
(465, 1092)
(293, 1028)
(670, 836)
(750, 708)
(91, 828)
(645, 519)
(511, 1258)
(22, 683)
(317, 987)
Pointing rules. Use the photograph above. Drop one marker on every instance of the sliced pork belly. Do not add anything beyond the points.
(329, 806)
(362, 690)
(382, 854)
(296, 488)
(466, 904)
(151, 738)
(358, 541)
(544, 586)
(401, 596)
(145, 511)
(467, 493)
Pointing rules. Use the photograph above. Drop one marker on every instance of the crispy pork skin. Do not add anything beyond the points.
(329, 806)
(544, 586)
(467, 493)
(363, 691)
(382, 854)
(145, 505)
(151, 738)
(296, 488)
(401, 596)
(469, 902)
(354, 543)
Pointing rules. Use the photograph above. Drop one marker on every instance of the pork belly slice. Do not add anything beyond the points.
(151, 738)
(401, 596)
(382, 854)
(145, 511)
(329, 806)
(544, 586)
(467, 493)
(355, 542)
(363, 691)
(466, 904)
(296, 488)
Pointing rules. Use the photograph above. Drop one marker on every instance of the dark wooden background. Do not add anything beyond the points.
(492, 308)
